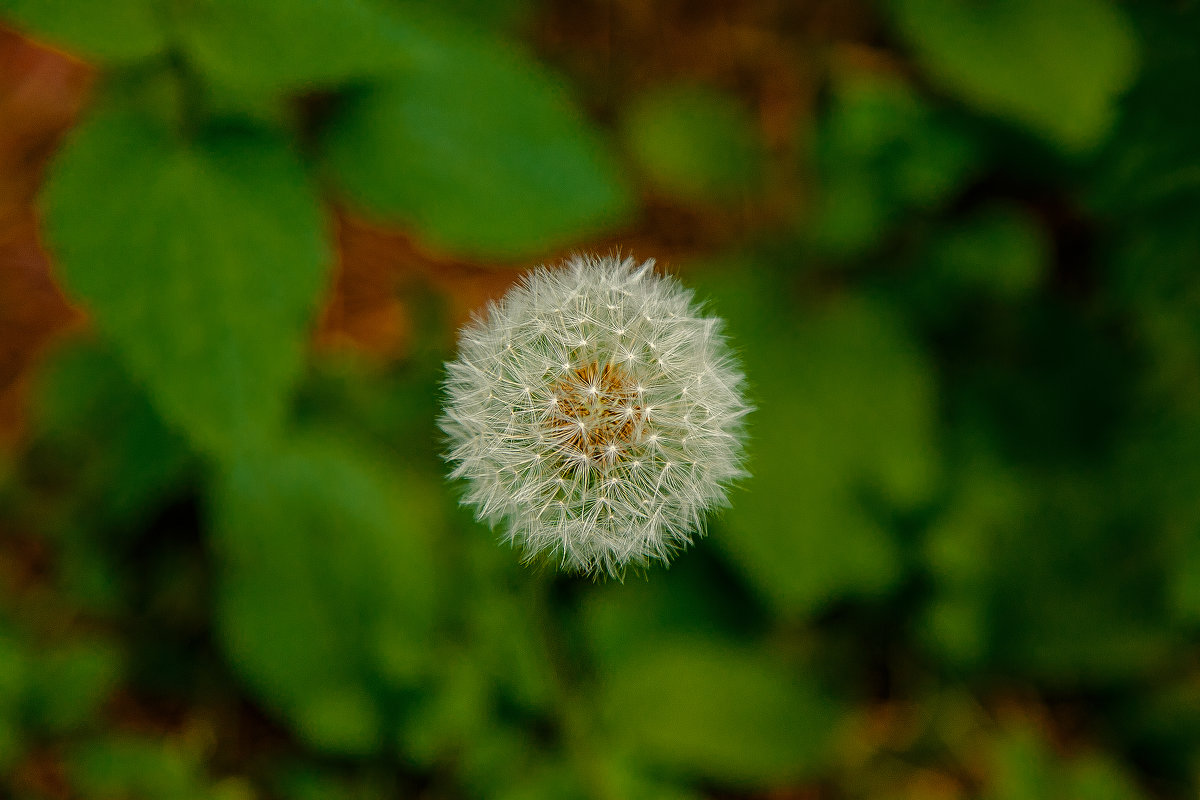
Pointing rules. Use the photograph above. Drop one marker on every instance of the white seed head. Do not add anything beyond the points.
(595, 415)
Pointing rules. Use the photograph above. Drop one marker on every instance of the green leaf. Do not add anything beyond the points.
(694, 142)
(69, 683)
(16, 674)
(547, 780)
(1149, 165)
(693, 598)
(495, 15)
(263, 46)
(450, 716)
(1162, 724)
(509, 642)
(1024, 767)
(107, 30)
(342, 720)
(120, 768)
(959, 550)
(881, 152)
(201, 261)
(326, 554)
(1097, 777)
(708, 711)
(1043, 575)
(477, 149)
(304, 780)
(1057, 68)
(999, 249)
(97, 427)
(844, 424)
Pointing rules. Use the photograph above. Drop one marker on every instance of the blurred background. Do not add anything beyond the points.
(958, 249)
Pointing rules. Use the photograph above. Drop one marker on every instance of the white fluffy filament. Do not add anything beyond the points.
(596, 413)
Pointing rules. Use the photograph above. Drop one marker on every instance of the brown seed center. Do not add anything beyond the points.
(599, 412)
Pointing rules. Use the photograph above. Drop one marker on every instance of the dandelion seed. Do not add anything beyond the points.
(566, 418)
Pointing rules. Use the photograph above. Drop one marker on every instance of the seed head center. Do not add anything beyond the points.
(598, 415)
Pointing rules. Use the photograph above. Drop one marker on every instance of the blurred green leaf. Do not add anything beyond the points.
(706, 710)
(1156, 471)
(341, 720)
(202, 261)
(1025, 768)
(632, 782)
(694, 142)
(997, 249)
(845, 421)
(1097, 777)
(487, 14)
(135, 769)
(1149, 165)
(477, 148)
(1145, 185)
(958, 552)
(94, 424)
(1161, 729)
(69, 683)
(108, 30)
(307, 781)
(451, 716)
(1047, 580)
(15, 670)
(260, 46)
(509, 640)
(548, 781)
(327, 553)
(693, 598)
(1057, 68)
(879, 152)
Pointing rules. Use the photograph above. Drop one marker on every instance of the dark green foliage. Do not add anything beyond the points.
(694, 142)
(773, 727)
(1057, 68)
(325, 586)
(202, 260)
(120, 31)
(262, 46)
(845, 414)
(477, 148)
(881, 151)
(967, 563)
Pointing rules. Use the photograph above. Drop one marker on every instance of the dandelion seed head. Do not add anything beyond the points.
(572, 415)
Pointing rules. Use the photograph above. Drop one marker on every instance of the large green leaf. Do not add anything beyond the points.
(125, 767)
(16, 671)
(477, 149)
(280, 45)
(98, 430)
(1042, 574)
(1023, 766)
(1057, 68)
(1149, 165)
(998, 249)
(70, 683)
(881, 152)
(706, 710)
(695, 142)
(109, 30)
(843, 432)
(201, 260)
(327, 567)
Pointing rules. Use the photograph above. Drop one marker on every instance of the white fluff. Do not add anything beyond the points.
(597, 413)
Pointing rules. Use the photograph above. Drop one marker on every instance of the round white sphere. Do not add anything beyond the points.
(595, 414)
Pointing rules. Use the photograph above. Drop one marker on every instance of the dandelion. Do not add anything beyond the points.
(596, 415)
